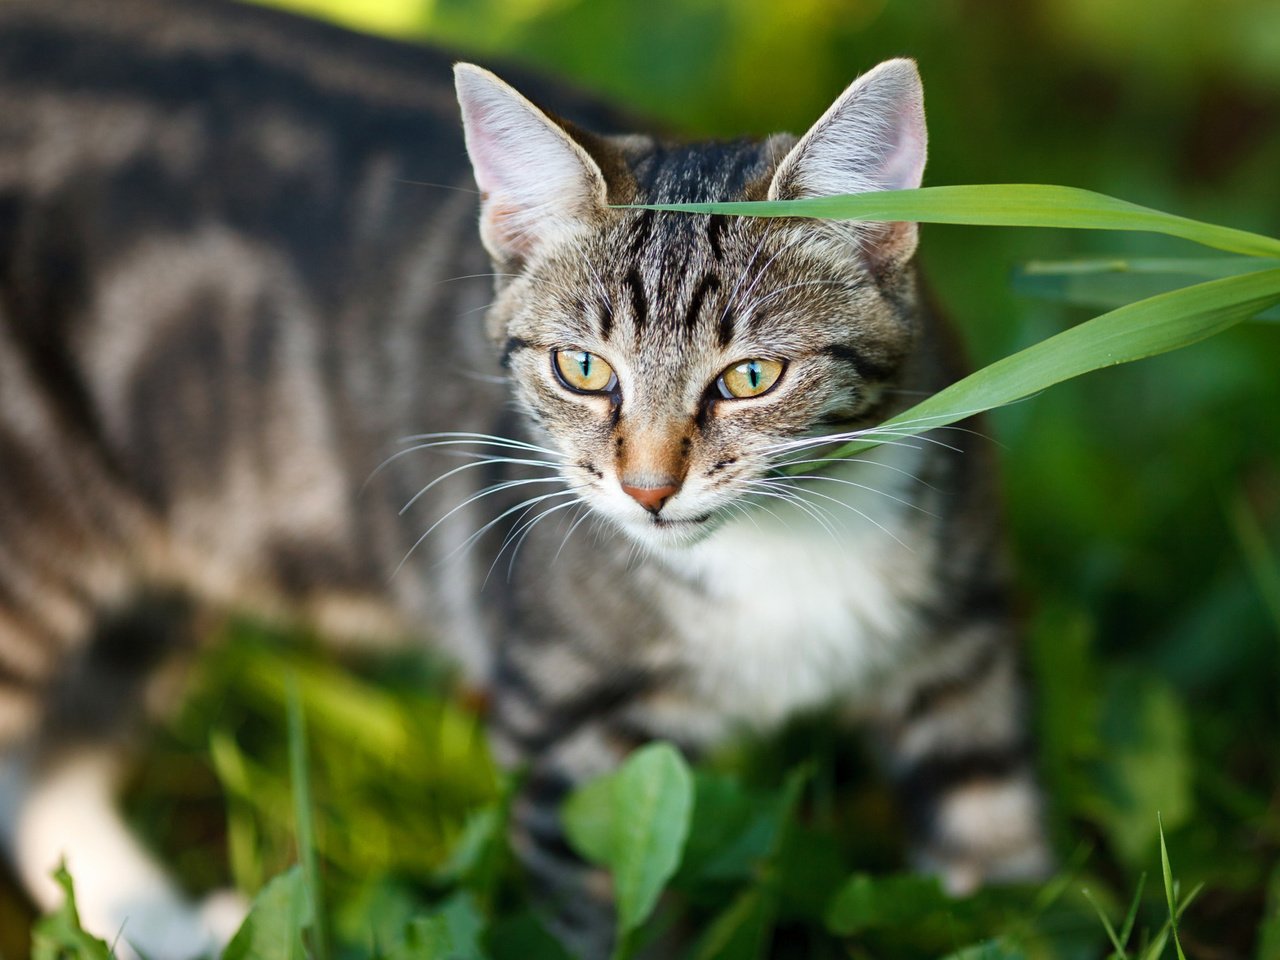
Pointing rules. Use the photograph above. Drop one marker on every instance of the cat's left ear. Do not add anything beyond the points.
(872, 138)
(537, 184)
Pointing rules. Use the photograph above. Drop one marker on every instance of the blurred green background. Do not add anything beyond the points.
(1144, 501)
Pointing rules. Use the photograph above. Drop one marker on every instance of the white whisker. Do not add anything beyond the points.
(480, 463)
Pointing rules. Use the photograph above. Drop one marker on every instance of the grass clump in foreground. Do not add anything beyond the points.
(755, 868)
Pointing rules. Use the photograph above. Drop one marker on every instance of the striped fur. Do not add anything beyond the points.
(238, 262)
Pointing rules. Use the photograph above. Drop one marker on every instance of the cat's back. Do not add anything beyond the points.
(225, 240)
(189, 110)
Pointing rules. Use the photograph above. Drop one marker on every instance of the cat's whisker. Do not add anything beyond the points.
(898, 428)
(728, 304)
(820, 516)
(478, 438)
(765, 269)
(872, 434)
(516, 537)
(425, 446)
(862, 486)
(862, 461)
(810, 492)
(488, 491)
(578, 519)
(483, 306)
(473, 538)
(812, 443)
(480, 463)
(441, 186)
(749, 310)
(473, 455)
(600, 287)
(760, 488)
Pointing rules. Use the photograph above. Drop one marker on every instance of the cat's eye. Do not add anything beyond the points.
(750, 378)
(584, 372)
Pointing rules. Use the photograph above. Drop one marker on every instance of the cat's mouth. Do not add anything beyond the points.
(676, 522)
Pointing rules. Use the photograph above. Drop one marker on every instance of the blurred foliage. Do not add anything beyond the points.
(1144, 507)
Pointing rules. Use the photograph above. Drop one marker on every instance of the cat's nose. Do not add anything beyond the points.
(651, 498)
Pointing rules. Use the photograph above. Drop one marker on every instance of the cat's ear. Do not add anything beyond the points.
(872, 138)
(537, 184)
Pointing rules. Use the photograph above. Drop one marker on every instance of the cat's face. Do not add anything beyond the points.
(671, 359)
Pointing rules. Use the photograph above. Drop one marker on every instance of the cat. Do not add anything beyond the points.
(239, 261)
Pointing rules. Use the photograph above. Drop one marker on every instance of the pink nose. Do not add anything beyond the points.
(651, 498)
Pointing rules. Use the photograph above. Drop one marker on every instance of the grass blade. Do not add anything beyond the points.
(1126, 930)
(1114, 283)
(1144, 329)
(306, 838)
(1169, 891)
(1106, 925)
(999, 205)
(1206, 268)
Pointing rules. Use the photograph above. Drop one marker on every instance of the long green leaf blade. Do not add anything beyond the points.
(1144, 329)
(1114, 282)
(999, 205)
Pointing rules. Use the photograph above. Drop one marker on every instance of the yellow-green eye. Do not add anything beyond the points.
(584, 372)
(750, 378)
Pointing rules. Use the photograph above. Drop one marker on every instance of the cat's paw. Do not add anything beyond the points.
(222, 912)
(987, 833)
(169, 928)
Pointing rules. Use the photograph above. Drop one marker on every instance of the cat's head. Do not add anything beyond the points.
(669, 357)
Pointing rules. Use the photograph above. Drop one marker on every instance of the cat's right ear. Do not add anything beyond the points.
(537, 184)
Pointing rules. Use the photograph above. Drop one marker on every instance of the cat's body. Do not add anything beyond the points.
(227, 290)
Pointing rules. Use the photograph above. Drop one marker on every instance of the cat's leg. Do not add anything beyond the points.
(61, 764)
(960, 752)
(560, 719)
(61, 808)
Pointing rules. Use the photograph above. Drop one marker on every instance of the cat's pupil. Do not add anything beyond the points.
(753, 374)
(584, 363)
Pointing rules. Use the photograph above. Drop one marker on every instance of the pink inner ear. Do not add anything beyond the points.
(903, 165)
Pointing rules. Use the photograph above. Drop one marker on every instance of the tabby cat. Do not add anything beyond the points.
(239, 263)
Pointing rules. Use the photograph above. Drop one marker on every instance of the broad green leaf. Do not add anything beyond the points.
(730, 831)
(450, 932)
(635, 822)
(59, 935)
(590, 819)
(867, 902)
(273, 928)
(1000, 205)
(1142, 329)
(1147, 766)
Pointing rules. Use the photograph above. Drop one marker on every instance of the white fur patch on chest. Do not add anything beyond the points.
(792, 612)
